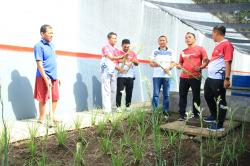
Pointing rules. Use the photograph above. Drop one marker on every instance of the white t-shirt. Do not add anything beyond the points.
(164, 59)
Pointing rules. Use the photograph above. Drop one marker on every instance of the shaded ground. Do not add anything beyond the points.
(183, 151)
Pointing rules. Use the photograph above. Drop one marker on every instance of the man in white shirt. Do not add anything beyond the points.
(162, 63)
(110, 54)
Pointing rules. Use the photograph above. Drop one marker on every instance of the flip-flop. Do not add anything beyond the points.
(40, 121)
(56, 120)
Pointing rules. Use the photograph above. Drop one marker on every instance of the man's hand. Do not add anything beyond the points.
(153, 64)
(118, 57)
(198, 69)
(122, 71)
(178, 66)
(135, 61)
(126, 55)
(48, 83)
(167, 71)
(227, 84)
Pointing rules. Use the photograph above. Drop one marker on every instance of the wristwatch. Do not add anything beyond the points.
(227, 78)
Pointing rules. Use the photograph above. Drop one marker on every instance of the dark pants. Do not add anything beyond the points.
(185, 84)
(157, 83)
(128, 84)
(216, 93)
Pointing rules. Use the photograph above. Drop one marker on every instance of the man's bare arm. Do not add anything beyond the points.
(228, 68)
(120, 69)
(42, 72)
(153, 64)
(178, 66)
(227, 74)
(205, 62)
(135, 61)
(113, 57)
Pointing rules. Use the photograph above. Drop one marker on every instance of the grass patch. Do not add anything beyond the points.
(61, 134)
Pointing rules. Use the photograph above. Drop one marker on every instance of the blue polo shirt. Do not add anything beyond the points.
(45, 52)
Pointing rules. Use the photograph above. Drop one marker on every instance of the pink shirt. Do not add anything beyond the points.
(132, 55)
(107, 65)
(128, 65)
(109, 49)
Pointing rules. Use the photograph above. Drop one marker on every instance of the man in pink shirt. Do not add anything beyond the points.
(110, 54)
(125, 79)
(219, 70)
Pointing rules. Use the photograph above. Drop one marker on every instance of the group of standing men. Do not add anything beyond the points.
(192, 60)
(118, 74)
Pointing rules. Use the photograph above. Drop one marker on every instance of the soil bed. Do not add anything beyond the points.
(188, 155)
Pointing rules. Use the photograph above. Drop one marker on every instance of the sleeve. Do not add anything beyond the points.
(203, 53)
(173, 56)
(181, 60)
(105, 51)
(152, 56)
(228, 52)
(118, 53)
(134, 56)
(38, 52)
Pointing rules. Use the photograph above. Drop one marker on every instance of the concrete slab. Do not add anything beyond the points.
(239, 105)
(19, 130)
(181, 126)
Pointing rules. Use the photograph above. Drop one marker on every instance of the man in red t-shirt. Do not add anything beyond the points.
(219, 69)
(192, 60)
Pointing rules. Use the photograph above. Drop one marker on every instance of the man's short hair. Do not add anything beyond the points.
(163, 36)
(44, 28)
(110, 34)
(221, 29)
(190, 33)
(125, 41)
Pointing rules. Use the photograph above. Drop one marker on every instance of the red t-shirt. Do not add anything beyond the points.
(222, 52)
(190, 59)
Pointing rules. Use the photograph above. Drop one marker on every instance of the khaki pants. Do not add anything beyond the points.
(108, 91)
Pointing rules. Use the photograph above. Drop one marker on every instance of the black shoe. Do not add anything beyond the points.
(166, 115)
(196, 116)
(209, 119)
(216, 128)
(181, 118)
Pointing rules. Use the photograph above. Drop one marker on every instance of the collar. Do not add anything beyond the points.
(221, 41)
(166, 48)
(44, 41)
(110, 45)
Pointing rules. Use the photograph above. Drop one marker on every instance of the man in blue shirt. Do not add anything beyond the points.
(46, 75)
(162, 62)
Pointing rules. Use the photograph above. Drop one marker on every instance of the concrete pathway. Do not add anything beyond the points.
(19, 130)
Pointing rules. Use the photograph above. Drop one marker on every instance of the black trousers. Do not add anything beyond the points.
(128, 84)
(215, 95)
(185, 84)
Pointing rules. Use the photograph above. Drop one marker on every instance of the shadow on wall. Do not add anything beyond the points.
(20, 94)
(81, 94)
(97, 96)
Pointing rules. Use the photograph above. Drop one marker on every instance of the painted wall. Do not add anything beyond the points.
(81, 26)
